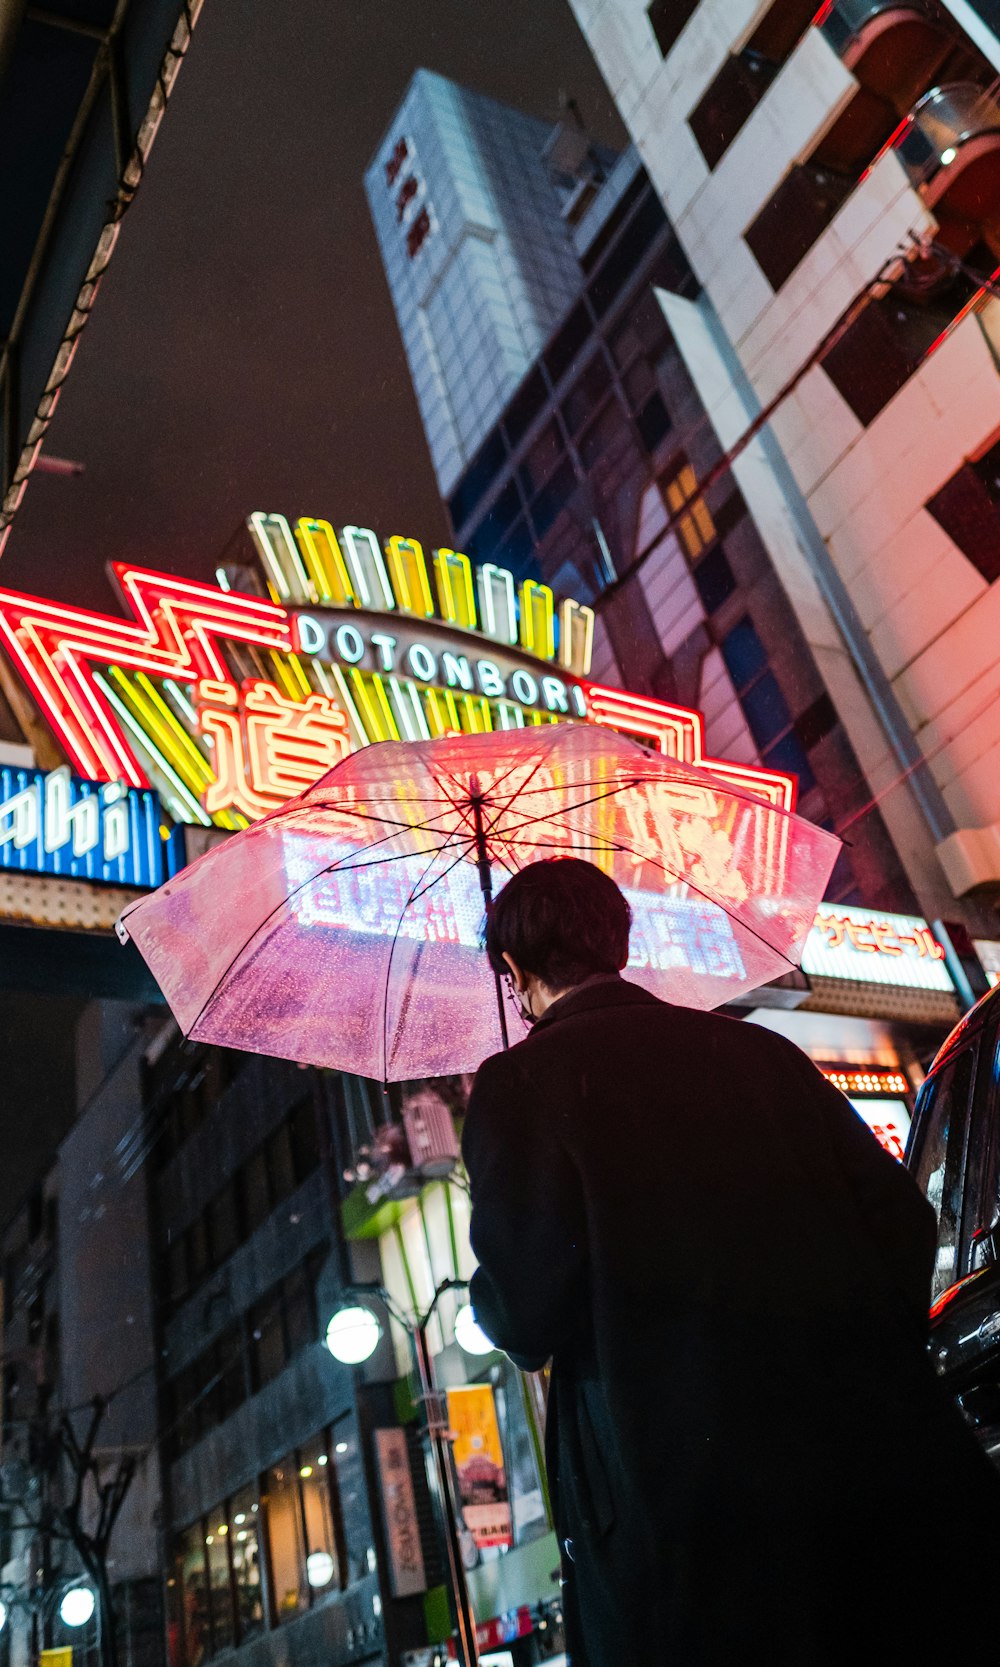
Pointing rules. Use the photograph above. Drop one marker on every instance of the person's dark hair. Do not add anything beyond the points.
(561, 919)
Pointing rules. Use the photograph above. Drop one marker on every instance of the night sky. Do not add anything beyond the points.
(243, 353)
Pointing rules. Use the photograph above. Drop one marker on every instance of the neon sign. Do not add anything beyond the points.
(230, 703)
(82, 830)
(848, 942)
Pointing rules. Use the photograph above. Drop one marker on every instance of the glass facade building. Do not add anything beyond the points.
(589, 479)
(468, 206)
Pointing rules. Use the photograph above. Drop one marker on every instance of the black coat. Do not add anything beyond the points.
(746, 1443)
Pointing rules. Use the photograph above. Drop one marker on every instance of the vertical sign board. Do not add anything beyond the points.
(399, 1510)
(482, 1478)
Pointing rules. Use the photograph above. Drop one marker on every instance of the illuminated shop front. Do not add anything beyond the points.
(876, 1001)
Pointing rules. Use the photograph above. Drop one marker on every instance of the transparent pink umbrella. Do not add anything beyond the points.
(344, 929)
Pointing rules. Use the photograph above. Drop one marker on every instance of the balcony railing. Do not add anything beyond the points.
(896, 50)
(944, 120)
(850, 20)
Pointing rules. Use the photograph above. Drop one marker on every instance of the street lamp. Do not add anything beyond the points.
(469, 1334)
(349, 1324)
(77, 1606)
(353, 1334)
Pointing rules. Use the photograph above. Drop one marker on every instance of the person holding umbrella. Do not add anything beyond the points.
(749, 1454)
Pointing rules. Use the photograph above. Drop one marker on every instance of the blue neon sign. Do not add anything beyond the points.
(58, 825)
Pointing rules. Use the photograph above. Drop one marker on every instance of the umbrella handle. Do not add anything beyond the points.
(486, 887)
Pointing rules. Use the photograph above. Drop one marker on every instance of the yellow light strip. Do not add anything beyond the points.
(538, 627)
(382, 701)
(160, 763)
(298, 672)
(325, 562)
(347, 699)
(408, 572)
(371, 716)
(187, 746)
(162, 731)
(456, 591)
(479, 718)
(284, 675)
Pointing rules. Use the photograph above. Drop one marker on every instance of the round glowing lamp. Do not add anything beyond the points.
(469, 1334)
(353, 1335)
(77, 1606)
(319, 1568)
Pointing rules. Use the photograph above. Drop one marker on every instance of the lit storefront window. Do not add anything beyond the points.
(244, 1548)
(270, 1553)
(286, 1547)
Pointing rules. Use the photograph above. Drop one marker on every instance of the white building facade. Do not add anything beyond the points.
(834, 178)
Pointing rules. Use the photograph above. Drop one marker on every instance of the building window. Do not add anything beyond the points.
(891, 337)
(543, 456)
(653, 422)
(352, 1494)
(793, 218)
(587, 393)
(667, 18)
(220, 1585)
(729, 101)
(282, 1539)
(269, 1176)
(244, 1548)
(196, 1614)
(689, 511)
(553, 498)
(480, 475)
(303, 1552)
(968, 508)
(620, 265)
(764, 706)
(285, 1543)
(564, 347)
(714, 578)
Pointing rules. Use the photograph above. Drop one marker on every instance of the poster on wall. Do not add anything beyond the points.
(479, 1463)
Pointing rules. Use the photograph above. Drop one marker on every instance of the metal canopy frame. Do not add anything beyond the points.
(83, 88)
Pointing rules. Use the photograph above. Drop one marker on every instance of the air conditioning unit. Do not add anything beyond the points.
(430, 1135)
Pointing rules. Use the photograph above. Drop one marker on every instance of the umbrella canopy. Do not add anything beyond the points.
(344, 929)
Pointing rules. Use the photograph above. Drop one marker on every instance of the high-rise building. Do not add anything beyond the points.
(473, 208)
(833, 174)
(589, 479)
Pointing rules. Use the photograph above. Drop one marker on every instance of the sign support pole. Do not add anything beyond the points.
(486, 887)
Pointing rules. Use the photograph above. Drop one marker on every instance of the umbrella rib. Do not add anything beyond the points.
(329, 868)
(415, 893)
(682, 879)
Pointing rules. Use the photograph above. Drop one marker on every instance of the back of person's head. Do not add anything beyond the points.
(561, 919)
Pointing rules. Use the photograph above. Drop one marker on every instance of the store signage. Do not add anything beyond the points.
(855, 943)
(479, 1464)
(81, 830)
(399, 1510)
(229, 704)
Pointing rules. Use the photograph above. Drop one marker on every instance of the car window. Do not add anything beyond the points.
(939, 1161)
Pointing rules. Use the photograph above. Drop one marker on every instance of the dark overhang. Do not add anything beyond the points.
(83, 86)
